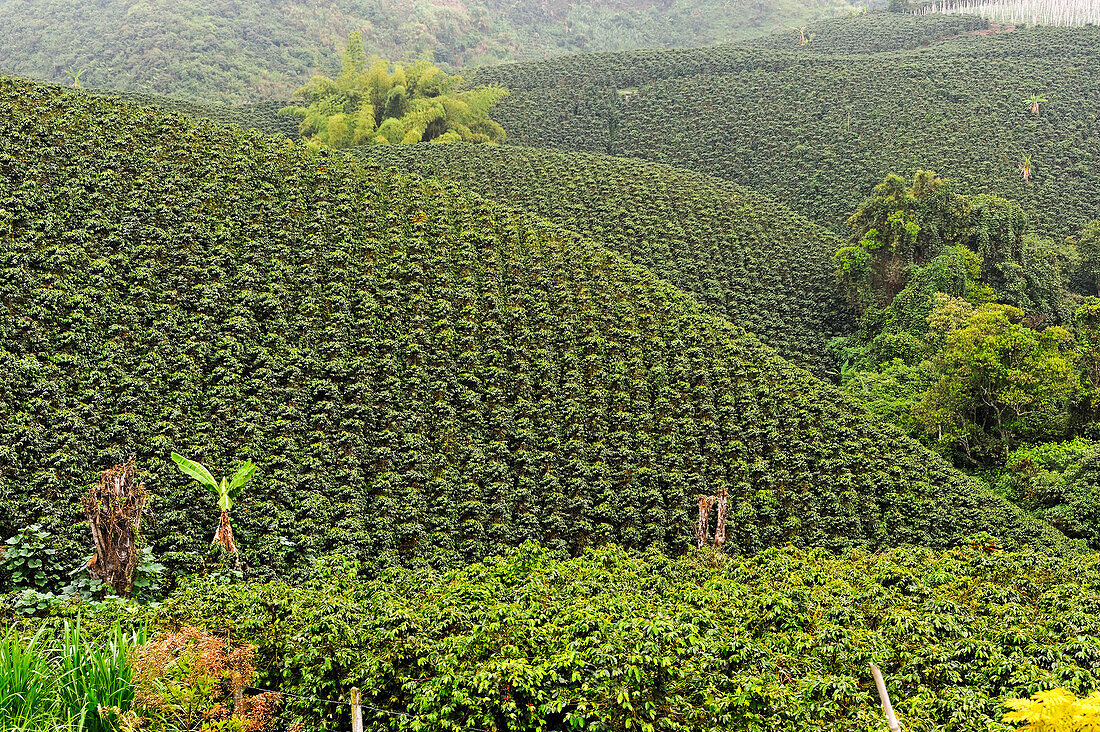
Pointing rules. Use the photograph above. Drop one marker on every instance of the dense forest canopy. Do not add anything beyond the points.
(978, 337)
(248, 51)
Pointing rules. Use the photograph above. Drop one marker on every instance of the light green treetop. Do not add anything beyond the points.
(377, 103)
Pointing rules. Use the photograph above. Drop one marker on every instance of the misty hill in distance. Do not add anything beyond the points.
(223, 51)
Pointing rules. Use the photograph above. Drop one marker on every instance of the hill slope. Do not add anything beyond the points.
(247, 50)
(414, 371)
(742, 256)
(818, 125)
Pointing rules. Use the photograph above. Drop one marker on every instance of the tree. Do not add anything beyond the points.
(1087, 245)
(227, 491)
(1025, 168)
(376, 103)
(1087, 318)
(892, 230)
(1033, 103)
(904, 227)
(999, 382)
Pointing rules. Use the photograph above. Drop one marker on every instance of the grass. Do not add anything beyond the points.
(71, 685)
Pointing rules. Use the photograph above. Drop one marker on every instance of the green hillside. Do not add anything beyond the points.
(262, 116)
(417, 373)
(873, 33)
(217, 50)
(741, 255)
(818, 125)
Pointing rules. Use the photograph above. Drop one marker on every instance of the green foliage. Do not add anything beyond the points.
(28, 700)
(376, 105)
(67, 681)
(240, 51)
(999, 382)
(910, 241)
(94, 676)
(1058, 482)
(894, 390)
(263, 116)
(28, 561)
(422, 374)
(741, 255)
(818, 125)
(611, 640)
(228, 490)
(942, 281)
(899, 227)
(1087, 245)
(1087, 321)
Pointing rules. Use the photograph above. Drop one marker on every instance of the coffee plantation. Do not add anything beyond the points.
(732, 374)
(741, 255)
(817, 125)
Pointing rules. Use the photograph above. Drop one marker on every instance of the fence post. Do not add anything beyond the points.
(356, 710)
(891, 720)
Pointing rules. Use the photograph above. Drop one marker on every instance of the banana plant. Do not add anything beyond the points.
(1033, 103)
(75, 75)
(227, 491)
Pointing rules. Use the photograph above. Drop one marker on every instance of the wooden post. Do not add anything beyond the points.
(891, 720)
(356, 710)
(238, 700)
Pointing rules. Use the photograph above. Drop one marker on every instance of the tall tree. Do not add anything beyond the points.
(999, 382)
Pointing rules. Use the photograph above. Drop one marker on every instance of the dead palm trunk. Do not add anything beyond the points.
(720, 530)
(701, 530)
(114, 511)
(705, 503)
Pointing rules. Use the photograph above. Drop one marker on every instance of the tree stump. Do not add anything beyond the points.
(114, 511)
